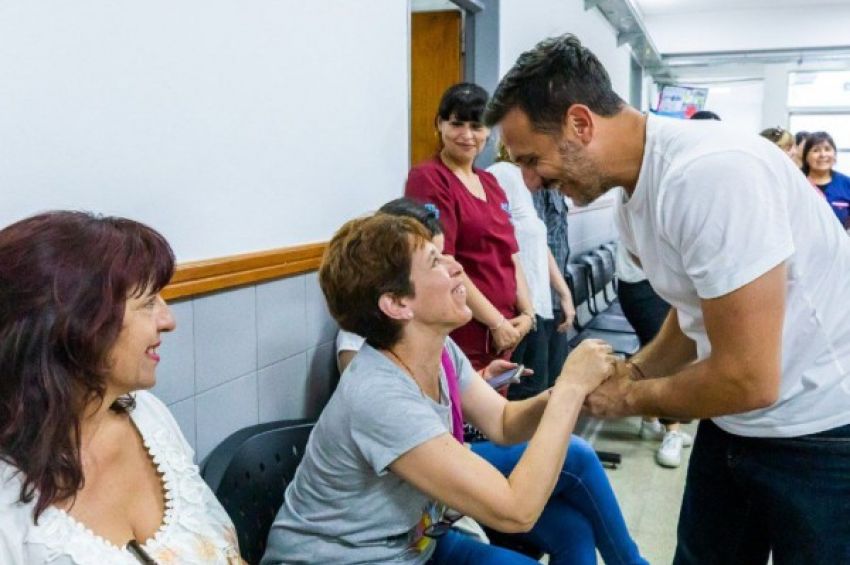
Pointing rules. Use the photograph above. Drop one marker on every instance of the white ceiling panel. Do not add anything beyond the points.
(665, 7)
(681, 27)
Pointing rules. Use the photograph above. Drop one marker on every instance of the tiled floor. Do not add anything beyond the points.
(649, 495)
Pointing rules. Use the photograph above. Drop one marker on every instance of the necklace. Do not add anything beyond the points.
(409, 371)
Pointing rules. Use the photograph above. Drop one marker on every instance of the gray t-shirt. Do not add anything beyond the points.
(344, 506)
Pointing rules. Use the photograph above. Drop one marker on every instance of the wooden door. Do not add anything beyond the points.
(436, 64)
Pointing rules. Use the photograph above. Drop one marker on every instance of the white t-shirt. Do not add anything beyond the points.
(348, 341)
(530, 235)
(195, 528)
(712, 211)
(627, 270)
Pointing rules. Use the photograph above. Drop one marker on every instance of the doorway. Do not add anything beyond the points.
(436, 62)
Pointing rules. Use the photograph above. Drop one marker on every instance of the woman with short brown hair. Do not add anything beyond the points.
(382, 470)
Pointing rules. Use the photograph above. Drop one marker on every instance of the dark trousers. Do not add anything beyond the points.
(747, 497)
(644, 309)
(533, 352)
(558, 347)
(544, 350)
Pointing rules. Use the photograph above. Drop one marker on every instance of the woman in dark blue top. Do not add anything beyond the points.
(818, 161)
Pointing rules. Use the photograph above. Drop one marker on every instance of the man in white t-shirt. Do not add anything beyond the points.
(757, 272)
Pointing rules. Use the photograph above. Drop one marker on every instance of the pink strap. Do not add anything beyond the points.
(454, 395)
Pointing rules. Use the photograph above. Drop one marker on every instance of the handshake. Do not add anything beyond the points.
(606, 380)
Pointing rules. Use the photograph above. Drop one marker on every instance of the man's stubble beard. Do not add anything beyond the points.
(578, 166)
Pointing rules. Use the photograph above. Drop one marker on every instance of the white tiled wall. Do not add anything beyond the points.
(245, 356)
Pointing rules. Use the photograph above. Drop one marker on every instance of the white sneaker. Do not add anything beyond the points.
(652, 429)
(670, 452)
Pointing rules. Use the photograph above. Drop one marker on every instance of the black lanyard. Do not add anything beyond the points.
(140, 554)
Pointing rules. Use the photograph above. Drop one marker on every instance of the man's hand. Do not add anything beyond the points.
(626, 369)
(609, 400)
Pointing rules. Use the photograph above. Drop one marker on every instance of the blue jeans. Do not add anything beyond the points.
(581, 515)
(457, 548)
(747, 497)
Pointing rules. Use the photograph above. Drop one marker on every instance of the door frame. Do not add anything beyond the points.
(480, 44)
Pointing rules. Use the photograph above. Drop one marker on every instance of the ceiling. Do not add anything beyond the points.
(739, 37)
(665, 7)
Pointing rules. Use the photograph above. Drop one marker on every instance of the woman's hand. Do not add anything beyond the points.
(499, 366)
(505, 336)
(523, 324)
(569, 313)
(588, 365)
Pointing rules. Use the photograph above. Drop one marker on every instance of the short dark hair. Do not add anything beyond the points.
(425, 214)
(800, 137)
(545, 81)
(705, 115)
(815, 138)
(366, 258)
(465, 101)
(64, 280)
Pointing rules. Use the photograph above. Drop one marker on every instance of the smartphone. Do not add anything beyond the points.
(508, 377)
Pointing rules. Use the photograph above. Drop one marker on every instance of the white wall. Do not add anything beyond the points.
(525, 22)
(230, 126)
(739, 104)
(775, 99)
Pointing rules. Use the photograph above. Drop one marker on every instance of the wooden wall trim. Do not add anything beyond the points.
(210, 275)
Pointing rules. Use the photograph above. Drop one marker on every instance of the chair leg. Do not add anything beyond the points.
(609, 459)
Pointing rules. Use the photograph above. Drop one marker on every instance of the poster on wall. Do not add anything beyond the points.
(680, 101)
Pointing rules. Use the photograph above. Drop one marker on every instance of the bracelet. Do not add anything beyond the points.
(499, 325)
(635, 368)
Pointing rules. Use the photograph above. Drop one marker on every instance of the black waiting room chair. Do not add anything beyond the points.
(625, 344)
(249, 472)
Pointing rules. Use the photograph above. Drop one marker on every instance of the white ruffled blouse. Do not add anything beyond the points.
(195, 527)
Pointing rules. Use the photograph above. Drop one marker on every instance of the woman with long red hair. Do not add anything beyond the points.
(93, 469)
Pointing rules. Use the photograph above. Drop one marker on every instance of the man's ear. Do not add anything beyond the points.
(579, 123)
(394, 307)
